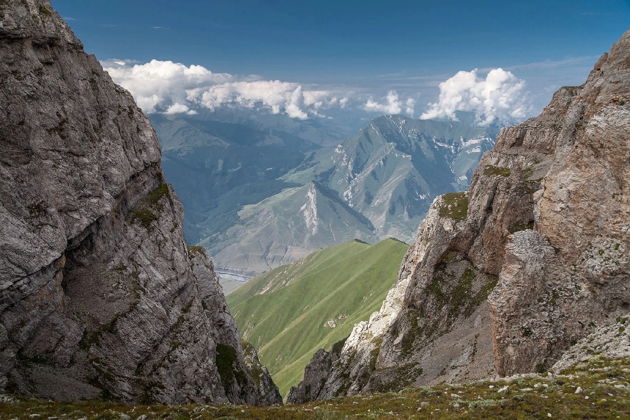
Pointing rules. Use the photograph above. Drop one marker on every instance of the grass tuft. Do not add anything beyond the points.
(144, 216)
(496, 171)
(196, 249)
(45, 11)
(521, 226)
(147, 210)
(225, 358)
(454, 206)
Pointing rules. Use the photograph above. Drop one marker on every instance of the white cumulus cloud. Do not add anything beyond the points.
(171, 88)
(391, 104)
(500, 95)
(279, 97)
(178, 108)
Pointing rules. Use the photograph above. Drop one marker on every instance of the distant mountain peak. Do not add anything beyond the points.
(288, 198)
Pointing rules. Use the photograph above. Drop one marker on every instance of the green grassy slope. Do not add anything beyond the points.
(294, 310)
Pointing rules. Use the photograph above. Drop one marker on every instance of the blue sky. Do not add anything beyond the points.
(370, 47)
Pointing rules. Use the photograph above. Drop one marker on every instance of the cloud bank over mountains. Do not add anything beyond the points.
(392, 105)
(170, 88)
(173, 88)
(500, 95)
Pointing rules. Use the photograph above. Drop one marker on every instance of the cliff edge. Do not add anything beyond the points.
(505, 278)
(99, 295)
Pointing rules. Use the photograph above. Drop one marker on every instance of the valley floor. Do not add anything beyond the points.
(596, 389)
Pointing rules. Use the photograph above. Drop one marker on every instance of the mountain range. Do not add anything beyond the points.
(259, 194)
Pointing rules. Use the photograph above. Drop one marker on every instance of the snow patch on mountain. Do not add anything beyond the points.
(309, 210)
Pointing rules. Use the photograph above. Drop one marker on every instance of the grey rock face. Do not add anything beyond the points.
(505, 278)
(316, 374)
(612, 341)
(99, 294)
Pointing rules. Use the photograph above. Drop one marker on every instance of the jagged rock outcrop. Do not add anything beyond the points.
(505, 278)
(99, 294)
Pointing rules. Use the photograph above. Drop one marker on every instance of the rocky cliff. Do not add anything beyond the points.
(506, 277)
(99, 294)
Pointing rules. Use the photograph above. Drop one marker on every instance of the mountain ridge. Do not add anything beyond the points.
(395, 195)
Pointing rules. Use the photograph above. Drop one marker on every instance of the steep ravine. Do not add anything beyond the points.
(505, 278)
(99, 295)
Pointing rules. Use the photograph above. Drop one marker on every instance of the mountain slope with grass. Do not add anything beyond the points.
(293, 310)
